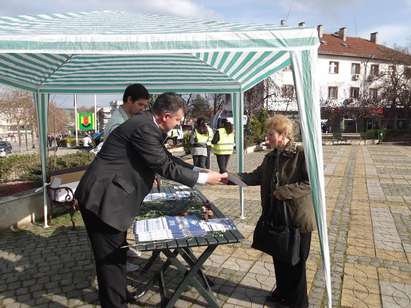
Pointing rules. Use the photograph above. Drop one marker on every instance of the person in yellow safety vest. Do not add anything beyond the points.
(198, 142)
(209, 145)
(174, 135)
(223, 144)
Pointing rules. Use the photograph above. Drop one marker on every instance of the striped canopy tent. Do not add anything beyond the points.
(104, 51)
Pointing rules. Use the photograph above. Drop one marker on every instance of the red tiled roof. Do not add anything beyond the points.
(331, 44)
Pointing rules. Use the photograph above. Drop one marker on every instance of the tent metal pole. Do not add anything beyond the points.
(241, 148)
(41, 108)
(237, 101)
(75, 118)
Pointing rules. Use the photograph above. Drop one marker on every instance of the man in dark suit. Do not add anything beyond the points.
(112, 189)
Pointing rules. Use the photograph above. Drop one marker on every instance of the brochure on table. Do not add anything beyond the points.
(177, 227)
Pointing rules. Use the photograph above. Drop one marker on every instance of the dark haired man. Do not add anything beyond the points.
(135, 100)
(115, 184)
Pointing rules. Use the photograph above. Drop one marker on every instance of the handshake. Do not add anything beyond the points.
(214, 178)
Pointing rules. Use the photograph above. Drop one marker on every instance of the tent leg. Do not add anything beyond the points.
(42, 109)
(45, 208)
(241, 148)
(237, 101)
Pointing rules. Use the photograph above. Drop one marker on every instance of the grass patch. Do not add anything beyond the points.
(64, 220)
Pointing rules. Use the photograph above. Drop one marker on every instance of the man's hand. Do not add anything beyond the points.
(216, 178)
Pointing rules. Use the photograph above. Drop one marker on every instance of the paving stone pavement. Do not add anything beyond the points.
(368, 193)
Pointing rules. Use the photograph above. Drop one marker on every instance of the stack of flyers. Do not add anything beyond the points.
(167, 228)
(218, 224)
(164, 196)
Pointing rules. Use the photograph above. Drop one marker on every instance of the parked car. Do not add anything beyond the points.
(175, 136)
(5, 147)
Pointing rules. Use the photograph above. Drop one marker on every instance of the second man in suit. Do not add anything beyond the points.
(114, 186)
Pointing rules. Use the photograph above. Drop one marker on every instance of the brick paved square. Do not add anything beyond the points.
(368, 192)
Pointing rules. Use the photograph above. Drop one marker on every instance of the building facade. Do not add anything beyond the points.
(104, 114)
(350, 69)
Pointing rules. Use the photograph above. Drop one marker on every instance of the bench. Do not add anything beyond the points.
(61, 189)
(338, 138)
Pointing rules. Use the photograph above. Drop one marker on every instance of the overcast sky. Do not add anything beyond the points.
(391, 19)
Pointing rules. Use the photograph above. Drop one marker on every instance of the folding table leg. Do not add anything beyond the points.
(151, 260)
(194, 258)
(163, 290)
(190, 276)
(163, 268)
(190, 258)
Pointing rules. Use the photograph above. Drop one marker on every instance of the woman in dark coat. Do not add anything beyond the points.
(286, 165)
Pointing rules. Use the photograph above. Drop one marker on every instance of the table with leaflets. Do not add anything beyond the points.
(174, 219)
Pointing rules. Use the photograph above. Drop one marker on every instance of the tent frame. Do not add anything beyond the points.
(302, 52)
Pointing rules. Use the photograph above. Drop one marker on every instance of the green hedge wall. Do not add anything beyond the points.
(27, 167)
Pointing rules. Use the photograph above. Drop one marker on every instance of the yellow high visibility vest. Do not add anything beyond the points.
(201, 138)
(210, 136)
(225, 146)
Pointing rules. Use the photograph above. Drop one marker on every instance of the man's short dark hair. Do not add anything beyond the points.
(168, 102)
(135, 91)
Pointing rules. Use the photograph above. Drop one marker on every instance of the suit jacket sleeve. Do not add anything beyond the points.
(180, 162)
(147, 143)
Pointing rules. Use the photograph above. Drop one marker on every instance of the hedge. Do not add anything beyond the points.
(27, 167)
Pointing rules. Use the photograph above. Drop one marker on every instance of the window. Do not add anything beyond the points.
(407, 72)
(374, 70)
(333, 67)
(355, 68)
(287, 90)
(392, 69)
(373, 94)
(332, 92)
(354, 92)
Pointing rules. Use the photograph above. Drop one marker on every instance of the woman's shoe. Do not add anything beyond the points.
(275, 297)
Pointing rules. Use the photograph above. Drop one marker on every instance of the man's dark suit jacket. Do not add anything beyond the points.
(122, 174)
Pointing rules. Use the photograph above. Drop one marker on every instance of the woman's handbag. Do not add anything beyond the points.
(281, 242)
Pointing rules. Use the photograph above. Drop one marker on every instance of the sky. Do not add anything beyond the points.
(391, 19)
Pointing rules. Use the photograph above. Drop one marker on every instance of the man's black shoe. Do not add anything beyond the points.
(131, 297)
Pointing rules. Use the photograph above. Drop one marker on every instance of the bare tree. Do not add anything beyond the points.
(57, 119)
(189, 107)
(384, 95)
(18, 108)
(218, 101)
(254, 99)
(200, 107)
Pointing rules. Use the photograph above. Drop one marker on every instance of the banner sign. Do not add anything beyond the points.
(85, 121)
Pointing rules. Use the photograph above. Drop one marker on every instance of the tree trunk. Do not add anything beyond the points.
(32, 136)
(19, 136)
(26, 137)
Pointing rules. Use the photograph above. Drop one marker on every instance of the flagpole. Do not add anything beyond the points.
(75, 118)
(95, 113)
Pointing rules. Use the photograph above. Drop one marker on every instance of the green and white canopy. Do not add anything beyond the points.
(104, 51)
